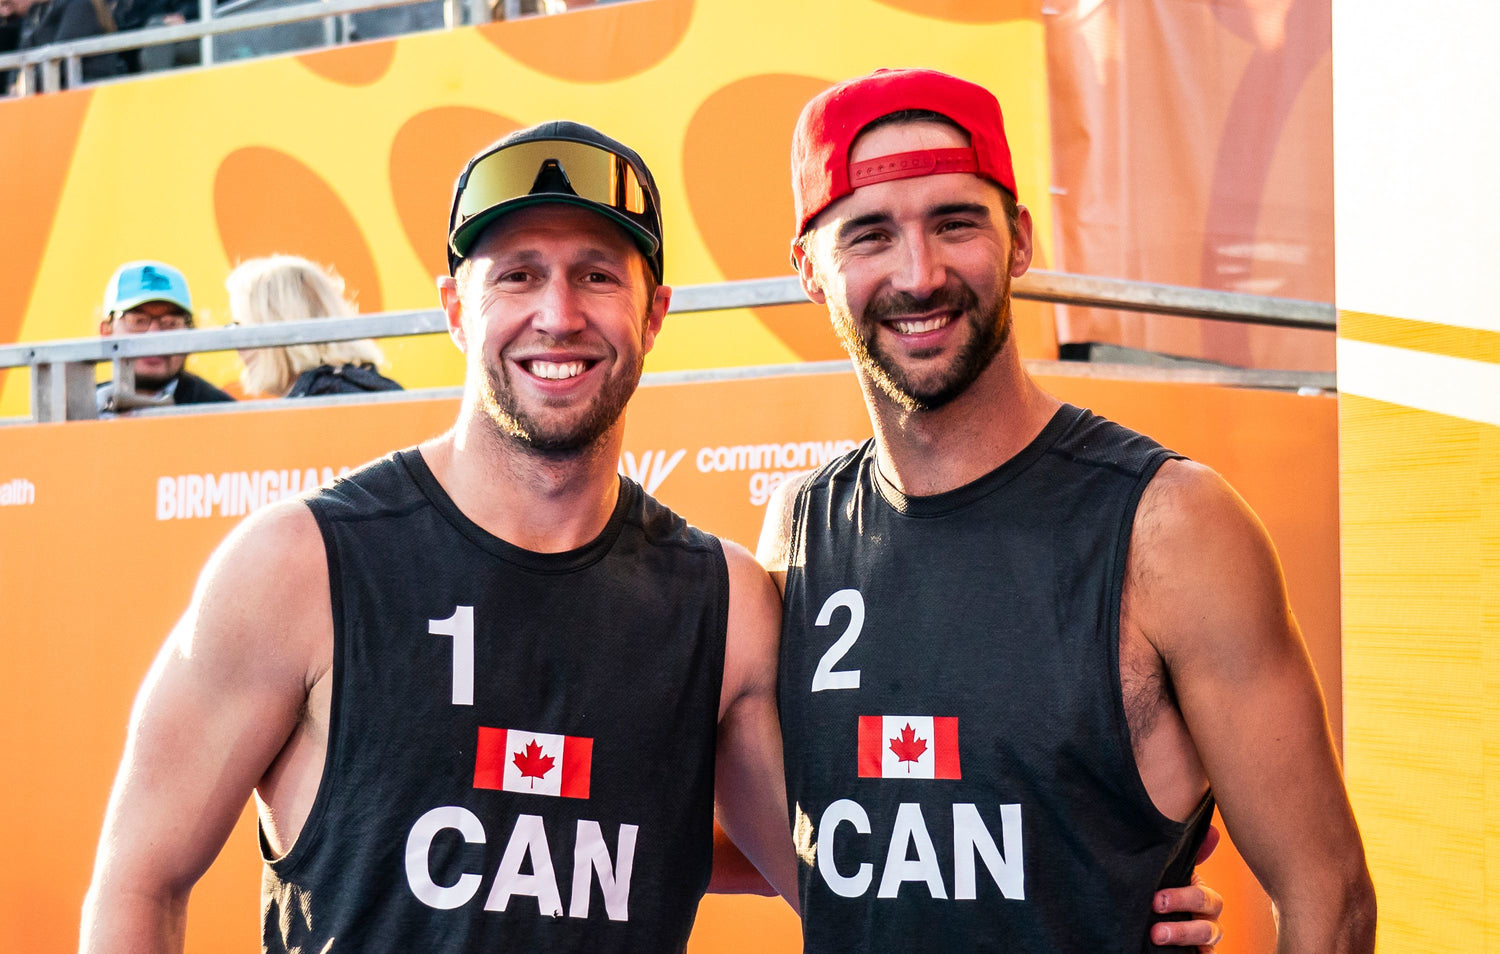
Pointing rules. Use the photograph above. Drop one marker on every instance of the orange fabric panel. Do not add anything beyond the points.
(1193, 145)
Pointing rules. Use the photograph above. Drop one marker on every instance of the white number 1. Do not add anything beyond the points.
(461, 627)
(825, 677)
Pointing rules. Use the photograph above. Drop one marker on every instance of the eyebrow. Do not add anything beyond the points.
(526, 256)
(976, 209)
(859, 222)
(961, 208)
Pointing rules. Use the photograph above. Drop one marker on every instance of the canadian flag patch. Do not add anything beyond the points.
(537, 763)
(908, 747)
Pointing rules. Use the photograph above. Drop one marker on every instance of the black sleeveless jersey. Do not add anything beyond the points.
(959, 768)
(521, 745)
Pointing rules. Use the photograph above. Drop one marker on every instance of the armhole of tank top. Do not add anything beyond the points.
(1167, 824)
(312, 828)
(797, 539)
(721, 615)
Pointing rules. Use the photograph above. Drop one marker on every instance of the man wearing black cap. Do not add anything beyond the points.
(476, 686)
(1019, 641)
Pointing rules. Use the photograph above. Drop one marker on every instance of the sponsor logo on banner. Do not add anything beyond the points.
(17, 492)
(651, 468)
(234, 493)
(908, 747)
(534, 763)
(771, 464)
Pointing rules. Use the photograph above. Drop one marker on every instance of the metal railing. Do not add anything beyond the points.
(59, 61)
(62, 372)
(65, 59)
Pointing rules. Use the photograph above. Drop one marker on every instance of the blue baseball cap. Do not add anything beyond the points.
(137, 282)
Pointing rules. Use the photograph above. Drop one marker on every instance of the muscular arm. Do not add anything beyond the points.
(217, 706)
(1205, 588)
(750, 790)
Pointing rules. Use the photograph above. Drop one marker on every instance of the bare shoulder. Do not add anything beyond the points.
(1185, 497)
(264, 593)
(279, 537)
(1199, 556)
(774, 551)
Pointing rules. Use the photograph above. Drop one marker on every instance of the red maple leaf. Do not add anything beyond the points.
(907, 746)
(534, 765)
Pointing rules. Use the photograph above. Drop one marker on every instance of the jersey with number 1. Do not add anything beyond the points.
(520, 745)
(959, 769)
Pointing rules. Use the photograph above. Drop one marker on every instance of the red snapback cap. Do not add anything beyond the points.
(830, 123)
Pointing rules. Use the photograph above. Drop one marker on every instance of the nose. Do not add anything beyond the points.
(921, 270)
(559, 310)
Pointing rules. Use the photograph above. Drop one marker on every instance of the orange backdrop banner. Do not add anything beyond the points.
(105, 524)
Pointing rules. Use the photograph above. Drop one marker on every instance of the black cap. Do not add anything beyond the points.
(643, 227)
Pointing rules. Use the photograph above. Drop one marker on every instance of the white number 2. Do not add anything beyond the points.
(461, 627)
(825, 677)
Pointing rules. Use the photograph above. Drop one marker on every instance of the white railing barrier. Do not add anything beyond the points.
(62, 372)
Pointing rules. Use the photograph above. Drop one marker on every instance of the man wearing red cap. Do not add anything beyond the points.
(1024, 649)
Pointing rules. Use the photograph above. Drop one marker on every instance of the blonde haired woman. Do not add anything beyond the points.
(276, 288)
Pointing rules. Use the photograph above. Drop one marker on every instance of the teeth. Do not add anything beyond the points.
(553, 371)
(917, 327)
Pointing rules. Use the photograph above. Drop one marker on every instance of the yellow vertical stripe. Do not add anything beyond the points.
(1421, 564)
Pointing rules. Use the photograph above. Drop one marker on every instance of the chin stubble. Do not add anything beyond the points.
(991, 329)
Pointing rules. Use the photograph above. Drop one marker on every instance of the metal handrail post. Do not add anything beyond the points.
(206, 42)
(73, 70)
(62, 391)
(330, 31)
(25, 82)
(50, 83)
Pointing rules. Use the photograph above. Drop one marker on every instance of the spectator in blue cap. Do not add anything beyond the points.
(152, 296)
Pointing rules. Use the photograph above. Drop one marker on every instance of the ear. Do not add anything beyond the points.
(106, 328)
(656, 313)
(1023, 247)
(453, 307)
(812, 285)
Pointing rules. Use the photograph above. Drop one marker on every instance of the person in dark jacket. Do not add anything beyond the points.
(141, 14)
(152, 296)
(288, 288)
(56, 21)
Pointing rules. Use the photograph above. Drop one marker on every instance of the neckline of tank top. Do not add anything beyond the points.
(566, 561)
(940, 505)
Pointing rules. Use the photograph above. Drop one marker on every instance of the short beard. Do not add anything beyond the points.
(517, 426)
(152, 383)
(991, 330)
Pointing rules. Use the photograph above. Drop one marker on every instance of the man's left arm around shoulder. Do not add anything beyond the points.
(1206, 588)
(750, 788)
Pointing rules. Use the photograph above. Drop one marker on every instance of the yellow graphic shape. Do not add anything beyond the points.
(1420, 529)
(1474, 344)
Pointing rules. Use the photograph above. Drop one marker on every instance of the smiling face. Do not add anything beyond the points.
(916, 272)
(553, 309)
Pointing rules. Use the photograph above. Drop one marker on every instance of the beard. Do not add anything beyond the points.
(989, 328)
(151, 380)
(554, 435)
